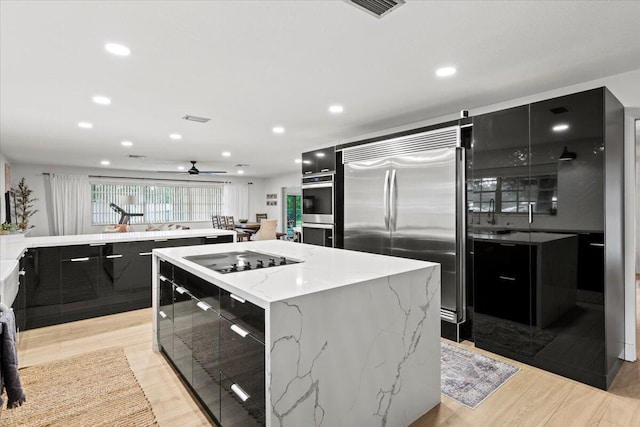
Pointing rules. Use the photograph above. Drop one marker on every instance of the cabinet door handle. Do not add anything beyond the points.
(22, 272)
(507, 244)
(324, 170)
(114, 256)
(238, 330)
(211, 237)
(307, 172)
(144, 253)
(180, 290)
(530, 213)
(160, 240)
(80, 259)
(164, 279)
(597, 245)
(511, 279)
(161, 313)
(203, 306)
(237, 298)
(239, 392)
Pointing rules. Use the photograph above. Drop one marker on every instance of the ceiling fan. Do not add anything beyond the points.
(195, 171)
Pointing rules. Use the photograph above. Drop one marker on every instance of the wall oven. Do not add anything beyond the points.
(317, 234)
(318, 209)
(317, 199)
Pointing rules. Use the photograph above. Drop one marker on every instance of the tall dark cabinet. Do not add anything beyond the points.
(545, 200)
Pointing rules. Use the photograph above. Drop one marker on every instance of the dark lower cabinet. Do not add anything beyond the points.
(183, 309)
(243, 375)
(68, 283)
(165, 315)
(20, 303)
(218, 346)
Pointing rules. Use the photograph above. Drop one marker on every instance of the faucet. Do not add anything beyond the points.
(492, 212)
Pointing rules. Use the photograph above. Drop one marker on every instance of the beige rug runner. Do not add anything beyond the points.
(91, 389)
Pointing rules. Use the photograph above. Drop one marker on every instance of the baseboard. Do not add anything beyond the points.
(630, 354)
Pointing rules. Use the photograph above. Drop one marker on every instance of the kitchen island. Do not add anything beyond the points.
(340, 338)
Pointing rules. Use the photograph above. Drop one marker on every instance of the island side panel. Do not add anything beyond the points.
(365, 354)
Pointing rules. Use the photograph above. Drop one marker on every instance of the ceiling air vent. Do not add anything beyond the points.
(136, 156)
(192, 118)
(377, 8)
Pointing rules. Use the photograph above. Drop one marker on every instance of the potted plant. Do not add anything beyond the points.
(24, 204)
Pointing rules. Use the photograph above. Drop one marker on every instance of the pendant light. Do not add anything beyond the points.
(567, 155)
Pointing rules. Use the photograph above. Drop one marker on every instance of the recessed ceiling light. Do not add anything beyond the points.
(278, 129)
(102, 100)
(180, 168)
(226, 154)
(175, 136)
(85, 125)
(105, 162)
(445, 71)
(117, 49)
(240, 172)
(336, 109)
(298, 160)
(560, 128)
(126, 143)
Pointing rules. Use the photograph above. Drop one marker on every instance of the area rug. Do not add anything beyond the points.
(91, 389)
(470, 378)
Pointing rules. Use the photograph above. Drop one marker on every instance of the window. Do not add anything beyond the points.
(513, 194)
(158, 203)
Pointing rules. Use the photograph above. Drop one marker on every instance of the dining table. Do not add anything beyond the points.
(255, 226)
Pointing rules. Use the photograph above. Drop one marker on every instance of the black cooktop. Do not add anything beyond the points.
(232, 262)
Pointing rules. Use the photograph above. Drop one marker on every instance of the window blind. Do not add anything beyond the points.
(159, 203)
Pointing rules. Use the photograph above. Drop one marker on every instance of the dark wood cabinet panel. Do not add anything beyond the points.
(318, 161)
(575, 323)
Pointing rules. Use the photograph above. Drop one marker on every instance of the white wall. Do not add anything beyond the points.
(274, 185)
(3, 162)
(34, 177)
(637, 196)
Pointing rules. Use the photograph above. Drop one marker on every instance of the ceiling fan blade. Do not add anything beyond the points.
(211, 172)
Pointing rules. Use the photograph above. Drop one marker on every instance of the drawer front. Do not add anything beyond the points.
(166, 269)
(242, 360)
(246, 314)
(80, 251)
(211, 240)
(199, 288)
(234, 410)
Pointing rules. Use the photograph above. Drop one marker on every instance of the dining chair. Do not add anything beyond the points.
(267, 230)
(231, 225)
(260, 216)
(215, 220)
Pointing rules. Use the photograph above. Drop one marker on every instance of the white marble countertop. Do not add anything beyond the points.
(520, 237)
(14, 247)
(323, 269)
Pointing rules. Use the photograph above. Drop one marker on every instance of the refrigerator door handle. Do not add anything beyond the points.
(386, 200)
(393, 201)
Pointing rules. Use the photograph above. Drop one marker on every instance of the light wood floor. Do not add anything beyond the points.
(532, 398)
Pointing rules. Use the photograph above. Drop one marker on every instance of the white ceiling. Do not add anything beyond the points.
(251, 65)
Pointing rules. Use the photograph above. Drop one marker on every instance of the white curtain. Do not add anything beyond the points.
(236, 200)
(71, 204)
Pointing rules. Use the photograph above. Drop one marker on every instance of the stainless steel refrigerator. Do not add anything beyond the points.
(405, 197)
